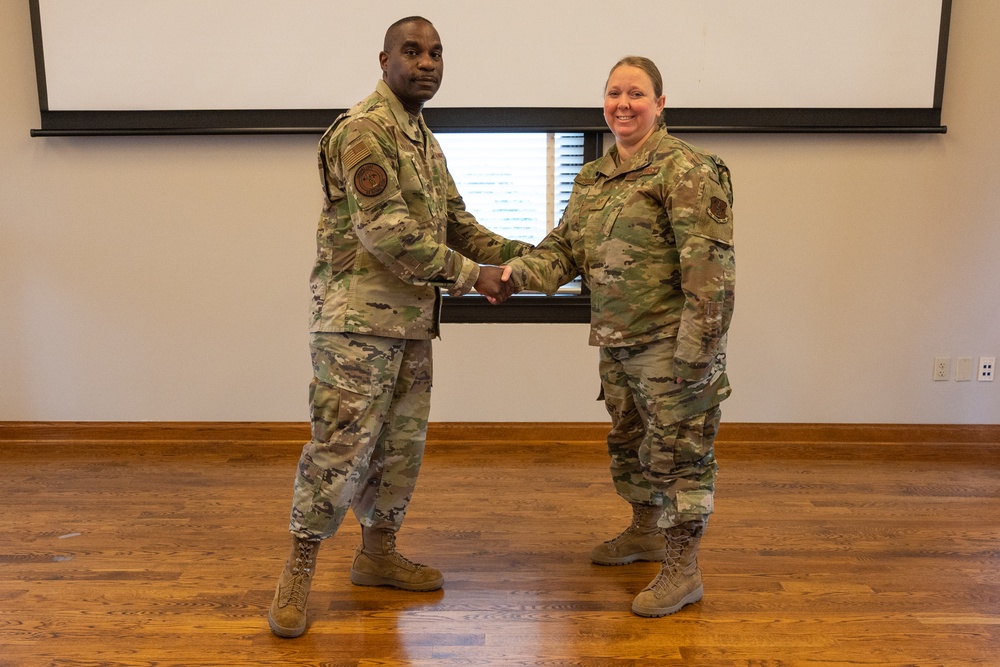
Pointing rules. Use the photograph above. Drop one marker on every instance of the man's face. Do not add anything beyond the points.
(413, 64)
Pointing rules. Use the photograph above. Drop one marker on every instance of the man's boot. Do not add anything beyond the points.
(679, 580)
(642, 540)
(376, 563)
(287, 616)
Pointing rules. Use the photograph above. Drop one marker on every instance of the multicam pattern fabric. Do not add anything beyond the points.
(393, 232)
(360, 384)
(662, 435)
(394, 229)
(653, 240)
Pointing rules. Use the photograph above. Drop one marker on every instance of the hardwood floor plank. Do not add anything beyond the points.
(165, 553)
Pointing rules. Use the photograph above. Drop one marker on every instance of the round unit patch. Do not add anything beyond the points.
(370, 179)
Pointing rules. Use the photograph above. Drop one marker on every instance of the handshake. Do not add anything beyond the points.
(494, 283)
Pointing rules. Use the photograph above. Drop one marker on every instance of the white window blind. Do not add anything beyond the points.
(516, 184)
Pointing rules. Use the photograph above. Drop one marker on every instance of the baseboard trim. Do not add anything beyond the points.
(465, 432)
(84, 432)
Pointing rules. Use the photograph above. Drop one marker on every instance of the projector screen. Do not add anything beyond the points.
(161, 66)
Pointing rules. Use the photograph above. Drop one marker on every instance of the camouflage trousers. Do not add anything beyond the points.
(370, 400)
(660, 453)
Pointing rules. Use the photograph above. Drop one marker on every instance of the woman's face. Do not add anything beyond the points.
(631, 108)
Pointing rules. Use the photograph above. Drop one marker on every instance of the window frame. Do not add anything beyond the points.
(526, 308)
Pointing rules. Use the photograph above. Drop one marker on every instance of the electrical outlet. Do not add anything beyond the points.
(942, 368)
(986, 365)
(963, 369)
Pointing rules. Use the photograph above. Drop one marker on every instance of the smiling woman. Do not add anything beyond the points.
(633, 104)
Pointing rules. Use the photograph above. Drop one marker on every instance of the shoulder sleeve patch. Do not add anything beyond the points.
(355, 154)
(719, 210)
(370, 179)
(716, 220)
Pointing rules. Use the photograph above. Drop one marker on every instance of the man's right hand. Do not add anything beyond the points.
(493, 283)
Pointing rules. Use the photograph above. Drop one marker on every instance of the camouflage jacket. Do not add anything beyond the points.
(394, 230)
(653, 240)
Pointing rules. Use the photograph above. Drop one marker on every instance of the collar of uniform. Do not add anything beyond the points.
(413, 128)
(609, 163)
(641, 159)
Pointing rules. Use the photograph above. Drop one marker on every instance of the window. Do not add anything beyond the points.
(517, 184)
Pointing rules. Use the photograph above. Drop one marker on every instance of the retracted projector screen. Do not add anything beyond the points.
(244, 66)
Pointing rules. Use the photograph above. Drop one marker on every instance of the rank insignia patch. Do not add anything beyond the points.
(719, 210)
(370, 180)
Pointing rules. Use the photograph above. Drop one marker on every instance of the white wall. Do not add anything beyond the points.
(165, 278)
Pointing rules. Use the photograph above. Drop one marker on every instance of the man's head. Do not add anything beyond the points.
(412, 61)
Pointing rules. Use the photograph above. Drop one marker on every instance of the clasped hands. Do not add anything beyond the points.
(494, 283)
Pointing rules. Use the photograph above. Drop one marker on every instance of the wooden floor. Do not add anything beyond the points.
(819, 554)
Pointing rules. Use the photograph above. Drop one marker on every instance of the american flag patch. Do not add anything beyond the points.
(355, 154)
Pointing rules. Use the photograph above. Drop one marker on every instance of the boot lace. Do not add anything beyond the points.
(676, 544)
(635, 529)
(396, 557)
(302, 571)
(625, 536)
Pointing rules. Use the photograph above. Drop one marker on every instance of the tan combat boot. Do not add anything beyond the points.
(642, 540)
(376, 563)
(287, 616)
(679, 580)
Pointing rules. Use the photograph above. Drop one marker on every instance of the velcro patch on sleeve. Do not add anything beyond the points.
(370, 179)
(715, 220)
(719, 210)
(355, 154)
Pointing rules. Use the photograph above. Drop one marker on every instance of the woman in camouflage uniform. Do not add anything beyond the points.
(649, 227)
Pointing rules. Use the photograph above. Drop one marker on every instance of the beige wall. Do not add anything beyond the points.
(165, 278)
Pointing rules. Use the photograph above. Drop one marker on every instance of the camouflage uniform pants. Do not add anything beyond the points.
(370, 399)
(659, 455)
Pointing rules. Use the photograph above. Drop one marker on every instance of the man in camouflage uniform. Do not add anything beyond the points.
(393, 233)
(652, 236)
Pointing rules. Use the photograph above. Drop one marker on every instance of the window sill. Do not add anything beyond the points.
(519, 309)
